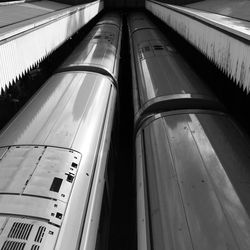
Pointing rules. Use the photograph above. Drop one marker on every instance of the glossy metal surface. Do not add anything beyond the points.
(143, 226)
(70, 111)
(139, 21)
(99, 51)
(162, 74)
(42, 176)
(61, 113)
(197, 177)
(90, 231)
(111, 18)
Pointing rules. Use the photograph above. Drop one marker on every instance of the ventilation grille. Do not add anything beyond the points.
(20, 231)
(158, 47)
(40, 234)
(13, 245)
(35, 247)
(109, 37)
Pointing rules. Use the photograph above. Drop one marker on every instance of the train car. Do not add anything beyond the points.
(192, 163)
(54, 188)
(101, 48)
(161, 77)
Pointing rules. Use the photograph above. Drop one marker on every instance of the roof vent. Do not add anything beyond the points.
(20, 231)
(158, 47)
(40, 234)
(13, 245)
(35, 247)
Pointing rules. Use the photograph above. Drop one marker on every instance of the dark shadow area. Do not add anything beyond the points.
(123, 219)
(12, 99)
(236, 101)
(179, 2)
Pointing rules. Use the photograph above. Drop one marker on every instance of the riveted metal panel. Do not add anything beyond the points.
(36, 181)
(31, 234)
(197, 177)
(55, 164)
(35, 207)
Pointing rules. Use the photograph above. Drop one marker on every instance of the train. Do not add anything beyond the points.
(192, 159)
(55, 153)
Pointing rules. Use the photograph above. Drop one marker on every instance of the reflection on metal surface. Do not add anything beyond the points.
(176, 102)
(195, 198)
(41, 121)
(162, 79)
(100, 51)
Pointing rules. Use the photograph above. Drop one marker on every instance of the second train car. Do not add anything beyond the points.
(192, 160)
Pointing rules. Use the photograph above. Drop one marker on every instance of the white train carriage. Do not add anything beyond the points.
(192, 162)
(163, 80)
(192, 182)
(101, 51)
(53, 161)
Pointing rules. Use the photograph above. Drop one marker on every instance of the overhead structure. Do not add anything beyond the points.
(223, 39)
(38, 29)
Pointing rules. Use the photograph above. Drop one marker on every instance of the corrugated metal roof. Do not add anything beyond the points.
(223, 39)
(19, 12)
(23, 45)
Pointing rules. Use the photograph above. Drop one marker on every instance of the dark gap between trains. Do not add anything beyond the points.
(123, 218)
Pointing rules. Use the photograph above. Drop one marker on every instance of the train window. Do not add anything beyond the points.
(56, 184)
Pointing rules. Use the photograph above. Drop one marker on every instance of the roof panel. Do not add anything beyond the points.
(19, 12)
